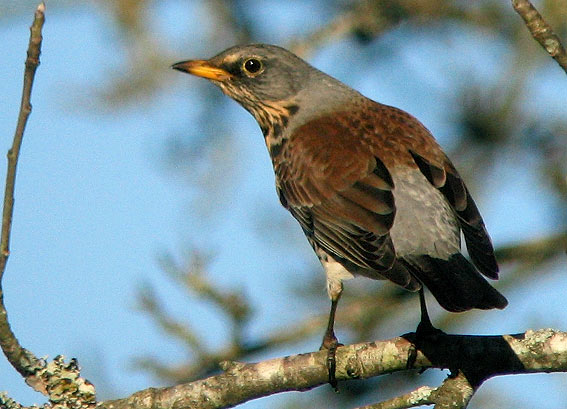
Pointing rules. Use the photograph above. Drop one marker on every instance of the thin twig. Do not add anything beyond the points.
(365, 17)
(20, 358)
(541, 31)
(544, 248)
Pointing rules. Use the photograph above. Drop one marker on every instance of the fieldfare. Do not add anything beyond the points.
(371, 188)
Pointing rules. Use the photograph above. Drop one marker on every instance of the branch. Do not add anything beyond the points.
(531, 251)
(455, 393)
(57, 379)
(234, 306)
(477, 357)
(541, 31)
(21, 359)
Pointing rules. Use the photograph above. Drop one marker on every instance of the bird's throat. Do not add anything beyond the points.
(273, 120)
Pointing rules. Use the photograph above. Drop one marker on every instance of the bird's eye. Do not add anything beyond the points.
(252, 66)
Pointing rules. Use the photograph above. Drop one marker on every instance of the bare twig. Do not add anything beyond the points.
(194, 278)
(20, 358)
(150, 304)
(541, 31)
(367, 18)
(539, 249)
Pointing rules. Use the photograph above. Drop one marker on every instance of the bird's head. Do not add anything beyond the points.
(264, 79)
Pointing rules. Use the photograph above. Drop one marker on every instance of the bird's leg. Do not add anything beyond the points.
(425, 332)
(330, 340)
(425, 327)
(331, 343)
(425, 322)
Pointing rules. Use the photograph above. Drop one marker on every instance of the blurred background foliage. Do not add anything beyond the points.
(468, 69)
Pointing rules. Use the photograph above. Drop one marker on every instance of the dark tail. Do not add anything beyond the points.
(456, 283)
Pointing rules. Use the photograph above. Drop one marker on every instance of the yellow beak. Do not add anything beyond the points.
(202, 68)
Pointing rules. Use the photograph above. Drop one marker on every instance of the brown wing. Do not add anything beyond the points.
(340, 193)
(414, 146)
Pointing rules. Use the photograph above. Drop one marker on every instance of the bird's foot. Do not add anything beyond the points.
(425, 330)
(331, 343)
(425, 333)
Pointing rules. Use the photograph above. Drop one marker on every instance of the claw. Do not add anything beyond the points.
(331, 343)
(332, 368)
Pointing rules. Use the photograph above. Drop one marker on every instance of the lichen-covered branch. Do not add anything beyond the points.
(477, 357)
(8, 403)
(455, 393)
(20, 358)
(419, 397)
(541, 31)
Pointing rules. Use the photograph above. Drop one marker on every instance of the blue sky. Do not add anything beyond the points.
(96, 206)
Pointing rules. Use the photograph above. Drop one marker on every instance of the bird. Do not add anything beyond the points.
(372, 190)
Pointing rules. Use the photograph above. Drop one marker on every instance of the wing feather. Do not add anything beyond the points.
(340, 193)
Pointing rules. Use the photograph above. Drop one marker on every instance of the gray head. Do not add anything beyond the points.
(265, 79)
